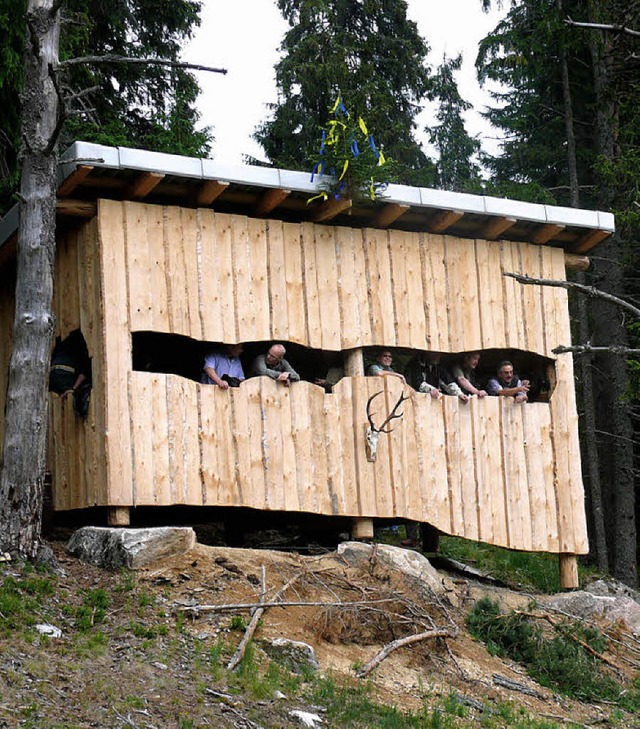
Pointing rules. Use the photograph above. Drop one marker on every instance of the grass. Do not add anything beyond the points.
(559, 661)
(532, 571)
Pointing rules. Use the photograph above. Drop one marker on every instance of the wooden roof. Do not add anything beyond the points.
(92, 171)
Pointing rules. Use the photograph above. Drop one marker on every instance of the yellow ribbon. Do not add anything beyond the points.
(322, 195)
(363, 126)
(344, 169)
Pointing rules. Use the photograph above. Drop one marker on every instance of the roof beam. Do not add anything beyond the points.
(74, 179)
(209, 191)
(589, 240)
(443, 220)
(574, 262)
(143, 185)
(545, 233)
(497, 226)
(389, 214)
(269, 200)
(331, 208)
(76, 208)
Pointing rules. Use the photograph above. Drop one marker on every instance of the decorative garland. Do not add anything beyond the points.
(348, 153)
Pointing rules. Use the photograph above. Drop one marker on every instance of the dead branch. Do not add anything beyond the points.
(295, 603)
(515, 686)
(588, 348)
(590, 291)
(400, 643)
(251, 628)
(111, 58)
(587, 290)
(603, 26)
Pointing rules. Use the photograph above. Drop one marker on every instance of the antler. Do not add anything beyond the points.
(392, 414)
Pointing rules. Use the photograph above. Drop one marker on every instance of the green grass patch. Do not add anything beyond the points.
(558, 661)
(21, 600)
(528, 570)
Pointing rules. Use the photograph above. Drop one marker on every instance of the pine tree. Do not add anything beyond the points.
(368, 51)
(456, 167)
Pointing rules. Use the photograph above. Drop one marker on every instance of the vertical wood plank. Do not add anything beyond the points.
(142, 438)
(176, 274)
(361, 287)
(434, 284)
(137, 266)
(373, 286)
(210, 303)
(532, 298)
(117, 348)
(311, 290)
(158, 269)
(279, 327)
(515, 470)
(397, 268)
(490, 295)
(244, 289)
(385, 287)
(349, 280)
(224, 242)
(304, 451)
(192, 246)
(295, 287)
(415, 293)
(455, 461)
(538, 451)
(327, 275)
(257, 246)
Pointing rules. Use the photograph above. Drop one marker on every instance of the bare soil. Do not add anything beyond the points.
(153, 661)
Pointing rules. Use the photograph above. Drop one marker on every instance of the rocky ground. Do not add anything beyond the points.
(151, 647)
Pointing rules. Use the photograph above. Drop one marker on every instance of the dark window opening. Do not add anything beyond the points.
(183, 356)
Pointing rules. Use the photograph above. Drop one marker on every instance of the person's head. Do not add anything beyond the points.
(234, 350)
(384, 358)
(505, 372)
(471, 360)
(275, 354)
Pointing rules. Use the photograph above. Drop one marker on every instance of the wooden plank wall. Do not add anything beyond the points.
(76, 450)
(227, 278)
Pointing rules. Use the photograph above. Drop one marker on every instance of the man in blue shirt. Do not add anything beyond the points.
(223, 368)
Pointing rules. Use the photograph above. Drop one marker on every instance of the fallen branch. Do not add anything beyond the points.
(589, 349)
(253, 624)
(515, 686)
(253, 605)
(257, 614)
(400, 643)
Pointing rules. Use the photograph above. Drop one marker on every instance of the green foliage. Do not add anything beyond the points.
(238, 623)
(456, 167)
(559, 662)
(349, 155)
(366, 50)
(21, 600)
(93, 610)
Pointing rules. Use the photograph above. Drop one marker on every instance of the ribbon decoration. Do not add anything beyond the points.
(339, 148)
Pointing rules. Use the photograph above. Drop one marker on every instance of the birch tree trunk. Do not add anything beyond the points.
(22, 477)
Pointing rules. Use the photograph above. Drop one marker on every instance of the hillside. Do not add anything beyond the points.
(137, 649)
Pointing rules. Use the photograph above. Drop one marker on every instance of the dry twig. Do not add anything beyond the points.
(253, 624)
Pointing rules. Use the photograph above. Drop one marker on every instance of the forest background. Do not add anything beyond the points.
(567, 110)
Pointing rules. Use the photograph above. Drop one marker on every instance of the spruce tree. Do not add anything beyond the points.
(371, 53)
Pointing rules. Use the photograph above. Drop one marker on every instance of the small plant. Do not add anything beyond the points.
(93, 611)
(127, 583)
(559, 662)
(238, 623)
(145, 600)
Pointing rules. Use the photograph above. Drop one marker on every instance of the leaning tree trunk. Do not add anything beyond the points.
(614, 419)
(21, 481)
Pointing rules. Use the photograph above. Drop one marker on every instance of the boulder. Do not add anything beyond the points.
(609, 600)
(131, 548)
(295, 655)
(411, 564)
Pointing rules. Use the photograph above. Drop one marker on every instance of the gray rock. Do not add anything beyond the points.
(411, 564)
(295, 655)
(306, 718)
(585, 605)
(131, 548)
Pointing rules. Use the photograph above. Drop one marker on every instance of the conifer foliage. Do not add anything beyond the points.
(369, 51)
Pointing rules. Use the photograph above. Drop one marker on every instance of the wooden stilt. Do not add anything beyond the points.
(569, 571)
(118, 516)
(362, 528)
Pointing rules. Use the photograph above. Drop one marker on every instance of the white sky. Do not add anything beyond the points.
(243, 36)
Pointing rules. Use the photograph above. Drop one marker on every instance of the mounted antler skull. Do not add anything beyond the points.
(373, 433)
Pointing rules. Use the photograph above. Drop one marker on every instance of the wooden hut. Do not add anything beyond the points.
(160, 245)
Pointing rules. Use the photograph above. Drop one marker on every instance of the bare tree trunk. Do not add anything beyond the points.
(611, 382)
(588, 438)
(21, 481)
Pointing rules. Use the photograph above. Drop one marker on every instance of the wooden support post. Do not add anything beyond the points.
(569, 571)
(362, 528)
(354, 367)
(353, 363)
(118, 516)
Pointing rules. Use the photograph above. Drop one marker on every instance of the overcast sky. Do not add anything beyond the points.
(243, 36)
